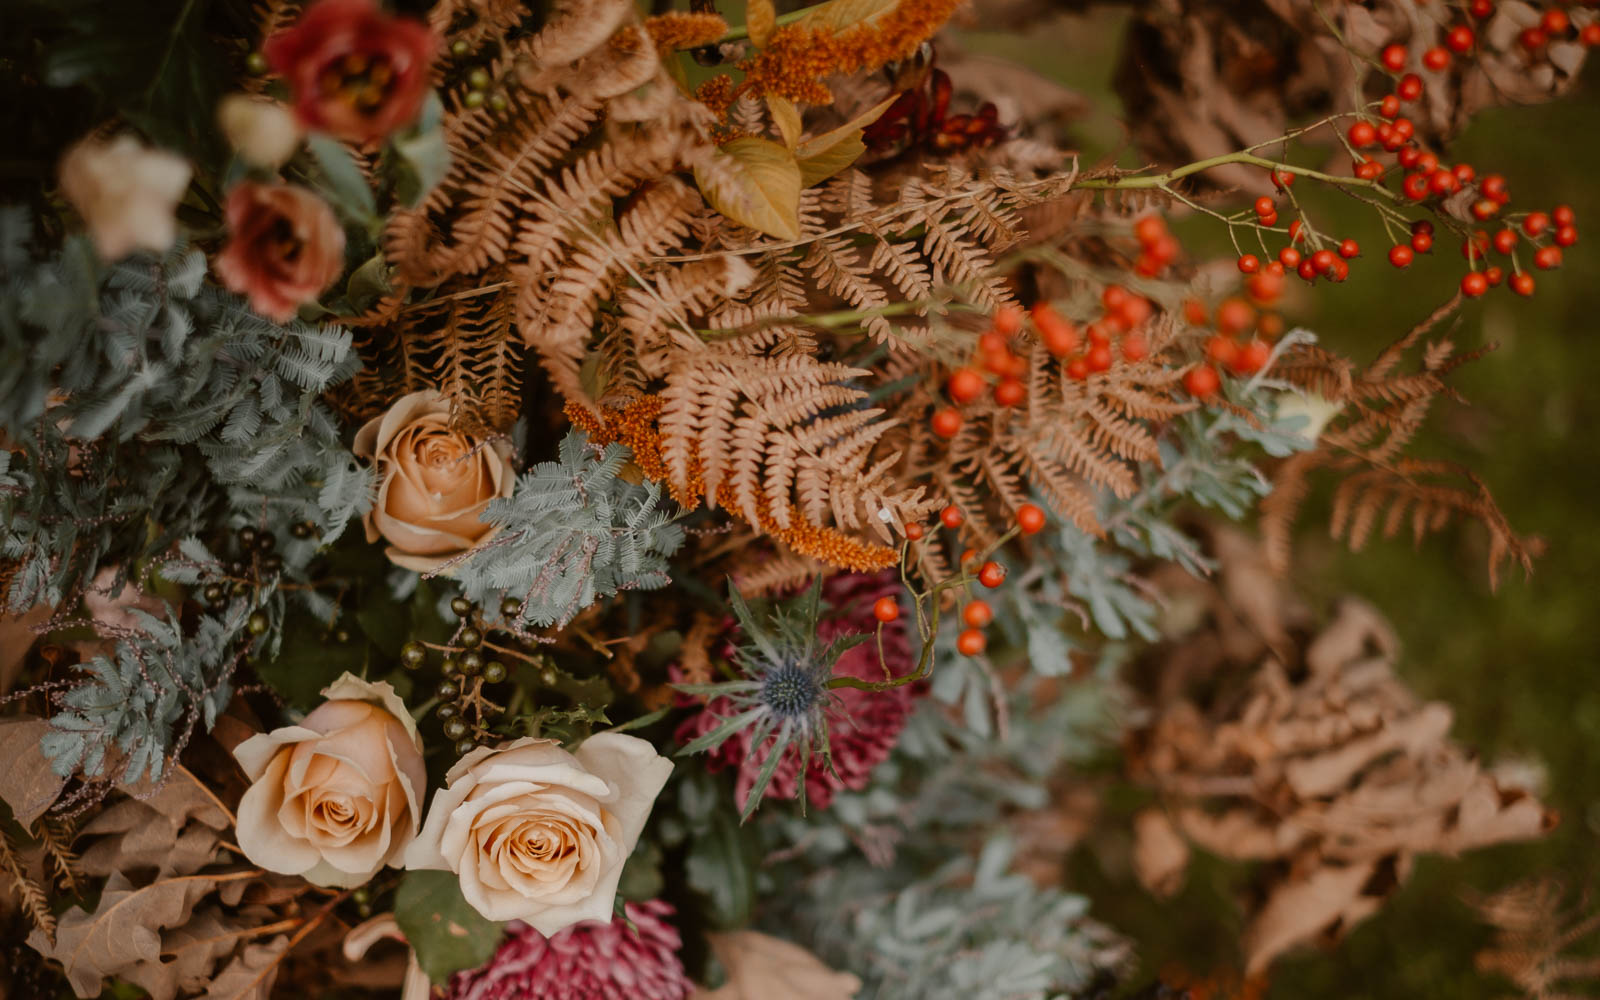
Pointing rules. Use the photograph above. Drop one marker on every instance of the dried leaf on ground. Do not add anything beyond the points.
(28, 784)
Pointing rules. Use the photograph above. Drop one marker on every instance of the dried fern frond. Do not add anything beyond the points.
(1534, 938)
(1381, 488)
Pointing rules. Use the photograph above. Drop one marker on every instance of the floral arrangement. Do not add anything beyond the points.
(561, 499)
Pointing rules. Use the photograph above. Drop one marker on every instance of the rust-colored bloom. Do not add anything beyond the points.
(356, 72)
(285, 247)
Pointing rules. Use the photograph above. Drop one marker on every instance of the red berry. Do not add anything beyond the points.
(992, 574)
(1099, 358)
(1481, 8)
(1422, 242)
(1221, 349)
(1536, 223)
(1415, 186)
(967, 555)
(1476, 246)
(1135, 347)
(1466, 173)
(1265, 205)
(1409, 88)
(1252, 357)
(1394, 57)
(1563, 215)
(1235, 316)
(1401, 256)
(914, 532)
(1030, 519)
(1460, 38)
(1008, 320)
(885, 609)
(1112, 297)
(1009, 392)
(1289, 257)
(1078, 369)
(1405, 129)
(1436, 58)
(1427, 163)
(1590, 35)
(1269, 220)
(1202, 381)
(946, 422)
(1495, 276)
(1505, 241)
(1059, 336)
(971, 642)
(1555, 21)
(951, 517)
(1389, 107)
(1283, 178)
(1194, 312)
(1485, 209)
(1323, 261)
(1349, 249)
(1532, 39)
(1307, 270)
(1249, 264)
(1494, 186)
(1149, 229)
(1369, 170)
(1410, 157)
(1100, 331)
(1362, 134)
(1474, 285)
(1547, 258)
(964, 385)
(1297, 231)
(1522, 283)
(1135, 310)
(1566, 236)
(1268, 285)
(1341, 270)
(1443, 182)
(977, 613)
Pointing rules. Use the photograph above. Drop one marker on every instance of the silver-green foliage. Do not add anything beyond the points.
(572, 532)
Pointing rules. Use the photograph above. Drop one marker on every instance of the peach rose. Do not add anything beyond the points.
(434, 482)
(539, 834)
(337, 797)
(127, 193)
(285, 247)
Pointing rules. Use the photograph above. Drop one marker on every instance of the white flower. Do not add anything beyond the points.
(1317, 411)
(337, 797)
(539, 834)
(126, 192)
(264, 132)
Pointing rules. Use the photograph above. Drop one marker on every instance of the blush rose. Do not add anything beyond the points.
(285, 247)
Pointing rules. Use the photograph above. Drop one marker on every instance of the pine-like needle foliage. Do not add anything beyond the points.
(573, 532)
(783, 698)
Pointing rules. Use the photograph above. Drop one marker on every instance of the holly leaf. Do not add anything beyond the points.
(441, 926)
(756, 183)
(28, 784)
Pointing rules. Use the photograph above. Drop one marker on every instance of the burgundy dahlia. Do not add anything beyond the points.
(863, 725)
(594, 960)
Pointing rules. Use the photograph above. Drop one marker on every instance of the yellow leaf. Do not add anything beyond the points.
(841, 15)
(824, 155)
(786, 116)
(760, 20)
(754, 182)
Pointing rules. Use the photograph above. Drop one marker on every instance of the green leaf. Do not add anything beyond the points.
(756, 183)
(446, 932)
(822, 156)
(641, 875)
(368, 283)
(341, 180)
(722, 866)
(424, 157)
(309, 661)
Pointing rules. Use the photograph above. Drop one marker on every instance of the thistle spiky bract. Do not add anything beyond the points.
(783, 697)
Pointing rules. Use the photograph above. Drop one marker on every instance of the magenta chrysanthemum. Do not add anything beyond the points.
(862, 725)
(589, 961)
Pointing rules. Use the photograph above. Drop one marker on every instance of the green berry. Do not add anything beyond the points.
(302, 529)
(469, 637)
(413, 654)
(478, 79)
(240, 589)
(341, 635)
(498, 101)
(459, 48)
(256, 63)
(548, 677)
(256, 624)
(214, 593)
(465, 746)
(248, 537)
(474, 99)
(511, 608)
(494, 672)
(461, 606)
(450, 665)
(471, 662)
(447, 711)
(455, 729)
(447, 691)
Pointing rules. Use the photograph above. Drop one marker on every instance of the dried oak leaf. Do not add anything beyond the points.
(761, 967)
(1160, 854)
(176, 829)
(251, 973)
(27, 782)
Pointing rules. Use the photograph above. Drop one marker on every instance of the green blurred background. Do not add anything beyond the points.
(1518, 666)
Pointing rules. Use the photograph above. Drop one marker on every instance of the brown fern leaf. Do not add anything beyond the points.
(1535, 938)
(1380, 489)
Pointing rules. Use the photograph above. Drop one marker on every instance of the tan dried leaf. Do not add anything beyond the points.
(1326, 901)
(786, 117)
(1160, 854)
(251, 973)
(761, 19)
(756, 183)
(28, 784)
(760, 967)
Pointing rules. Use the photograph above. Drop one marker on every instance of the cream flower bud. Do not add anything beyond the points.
(127, 193)
(263, 131)
(337, 797)
(539, 834)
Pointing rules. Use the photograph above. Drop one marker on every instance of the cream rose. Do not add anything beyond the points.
(434, 482)
(539, 834)
(337, 797)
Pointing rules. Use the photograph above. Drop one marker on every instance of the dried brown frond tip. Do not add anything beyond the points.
(1381, 409)
(1537, 940)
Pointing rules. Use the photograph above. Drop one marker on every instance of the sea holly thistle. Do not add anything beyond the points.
(783, 697)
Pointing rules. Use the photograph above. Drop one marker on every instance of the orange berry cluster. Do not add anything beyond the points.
(976, 613)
